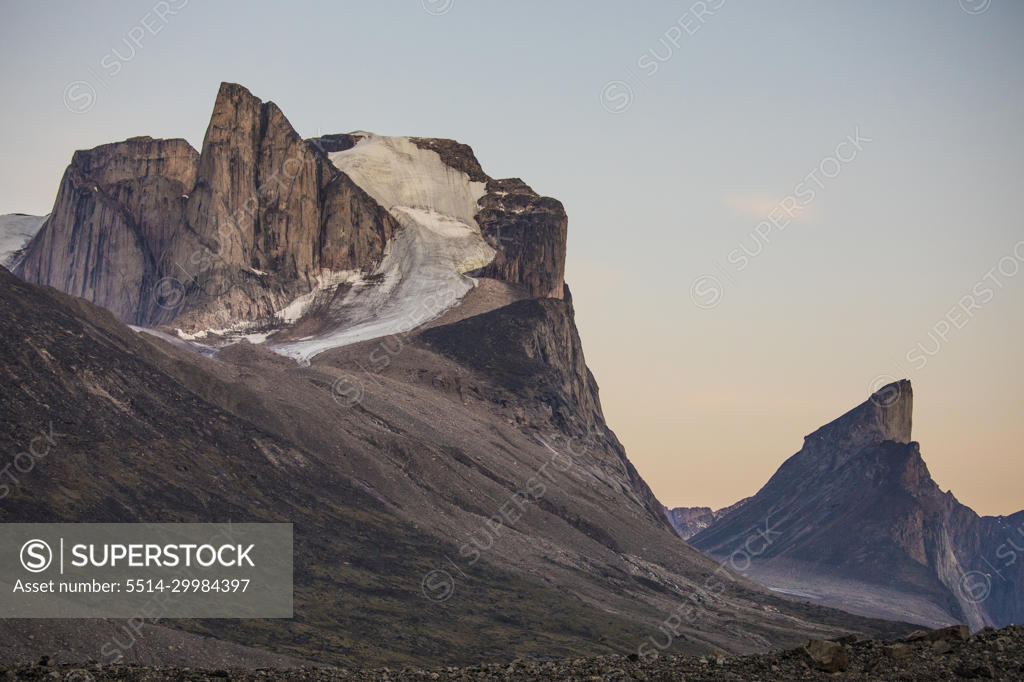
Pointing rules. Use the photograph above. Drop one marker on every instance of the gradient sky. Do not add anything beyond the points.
(670, 137)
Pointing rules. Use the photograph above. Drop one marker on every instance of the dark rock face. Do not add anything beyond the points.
(858, 523)
(158, 233)
(354, 229)
(162, 235)
(528, 231)
(455, 154)
(116, 215)
(530, 346)
(532, 349)
(270, 212)
(688, 521)
(886, 416)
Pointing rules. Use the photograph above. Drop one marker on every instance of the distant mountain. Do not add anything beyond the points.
(688, 521)
(855, 521)
(441, 420)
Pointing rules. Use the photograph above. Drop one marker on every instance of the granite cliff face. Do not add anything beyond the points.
(688, 521)
(117, 212)
(528, 231)
(271, 215)
(228, 238)
(161, 234)
(531, 348)
(857, 522)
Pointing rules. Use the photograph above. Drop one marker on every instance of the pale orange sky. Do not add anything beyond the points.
(710, 402)
(668, 147)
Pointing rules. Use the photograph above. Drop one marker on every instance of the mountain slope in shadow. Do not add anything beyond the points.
(859, 524)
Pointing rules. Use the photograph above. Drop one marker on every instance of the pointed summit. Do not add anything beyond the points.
(894, 410)
(857, 522)
(886, 416)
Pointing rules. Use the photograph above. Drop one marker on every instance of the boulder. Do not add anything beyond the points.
(827, 656)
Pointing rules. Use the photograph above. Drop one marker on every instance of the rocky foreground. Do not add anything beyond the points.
(946, 654)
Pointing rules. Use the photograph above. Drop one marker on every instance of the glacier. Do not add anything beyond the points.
(422, 273)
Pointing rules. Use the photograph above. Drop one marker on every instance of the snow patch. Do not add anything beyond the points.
(422, 272)
(174, 340)
(328, 281)
(397, 173)
(16, 231)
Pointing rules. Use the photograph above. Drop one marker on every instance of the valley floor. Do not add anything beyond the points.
(937, 655)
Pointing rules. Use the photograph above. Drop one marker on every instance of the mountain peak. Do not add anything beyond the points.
(861, 525)
(893, 410)
(886, 416)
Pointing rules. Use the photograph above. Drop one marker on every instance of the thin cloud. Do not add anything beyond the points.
(760, 205)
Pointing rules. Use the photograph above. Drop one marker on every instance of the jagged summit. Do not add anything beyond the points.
(301, 244)
(858, 523)
(886, 416)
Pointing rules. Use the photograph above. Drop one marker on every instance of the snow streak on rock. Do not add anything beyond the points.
(16, 231)
(421, 274)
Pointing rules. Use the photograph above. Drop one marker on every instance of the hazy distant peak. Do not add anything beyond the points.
(886, 416)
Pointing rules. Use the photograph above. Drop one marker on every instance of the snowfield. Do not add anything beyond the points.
(422, 272)
(16, 231)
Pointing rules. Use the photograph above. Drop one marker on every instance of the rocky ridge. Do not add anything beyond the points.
(859, 524)
(228, 237)
(688, 521)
